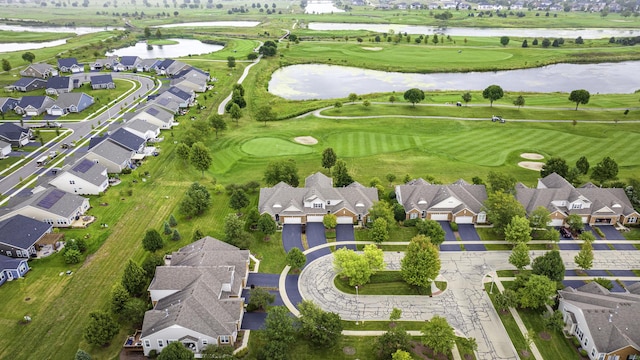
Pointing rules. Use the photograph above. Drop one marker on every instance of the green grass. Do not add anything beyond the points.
(511, 273)
(28, 36)
(270, 147)
(558, 347)
(384, 283)
(162, 42)
(382, 325)
(510, 325)
(633, 234)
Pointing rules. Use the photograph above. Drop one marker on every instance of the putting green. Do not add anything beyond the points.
(268, 146)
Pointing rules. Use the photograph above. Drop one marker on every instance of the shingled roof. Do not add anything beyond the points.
(421, 195)
(22, 232)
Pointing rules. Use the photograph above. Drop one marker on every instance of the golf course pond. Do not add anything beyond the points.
(8, 47)
(184, 47)
(319, 81)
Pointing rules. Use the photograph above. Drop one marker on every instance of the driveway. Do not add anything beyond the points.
(448, 232)
(468, 232)
(263, 280)
(449, 247)
(610, 233)
(292, 236)
(315, 234)
(345, 232)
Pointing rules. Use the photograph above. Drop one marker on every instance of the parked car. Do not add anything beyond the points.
(495, 118)
(565, 233)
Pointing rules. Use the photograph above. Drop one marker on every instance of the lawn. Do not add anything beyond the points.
(557, 346)
(384, 283)
(512, 328)
(28, 36)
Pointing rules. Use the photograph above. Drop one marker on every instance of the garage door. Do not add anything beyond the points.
(440, 217)
(315, 218)
(557, 222)
(345, 220)
(57, 112)
(464, 219)
(585, 219)
(293, 220)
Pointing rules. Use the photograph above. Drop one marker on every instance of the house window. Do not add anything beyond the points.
(147, 343)
(8, 253)
(633, 220)
(576, 206)
(160, 343)
(424, 214)
(586, 341)
(593, 352)
(317, 205)
(72, 182)
(205, 342)
(413, 216)
(224, 339)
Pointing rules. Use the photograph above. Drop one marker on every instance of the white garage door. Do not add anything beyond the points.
(556, 222)
(57, 112)
(293, 220)
(345, 220)
(585, 219)
(315, 218)
(440, 217)
(464, 219)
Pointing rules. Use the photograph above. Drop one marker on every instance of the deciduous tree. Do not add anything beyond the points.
(401, 355)
(183, 151)
(260, 299)
(381, 209)
(329, 158)
(281, 170)
(520, 256)
(466, 97)
(296, 259)
(341, 176)
(278, 329)
(235, 112)
(353, 97)
(501, 208)
(438, 335)
(549, 265)
(374, 257)
(519, 101)
(584, 258)
(582, 165)
(536, 292)
(231, 62)
(579, 97)
(321, 328)
(100, 329)
(574, 221)
(119, 297)
(421, 263)
(330, 221)
(176, 351)
(414, 96)
(380, 231)
(238, 200)
(348, 264)
(432, 230)
(605, 170)
(6, 65)
(390, 342)
(539, 218)
(200, 157)
(518, 230)
(501, 182)
(493, 93)
(265, 113)
(196, 201)
(234, 232)
(556, 165)
(504, 40)
(28, 56)
(134, 279)
(217, 123)
(267, 225)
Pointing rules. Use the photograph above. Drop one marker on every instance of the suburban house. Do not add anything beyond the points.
(197, 297)
(289, 205)
(27, 84)
(167, 102)
(33, 105)
(102, 82)
(70, 103)
(147, 65)
(158, 116)
(39, 70)
(71, 65)
(606, 324)
(143, 129)
(191, 78)
(174, 98)
(19, 235)
(5, 149)
(57, 85)
(169, 67)
(459, 202)
(11, 268)
(7, 104)
(596, 206)
(106, 63)
(110, 155)
(52, 206)
(126, 63)
(85, 177)
(123, 138)
(14, 134)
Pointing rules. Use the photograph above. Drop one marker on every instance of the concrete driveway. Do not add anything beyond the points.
(292, 236)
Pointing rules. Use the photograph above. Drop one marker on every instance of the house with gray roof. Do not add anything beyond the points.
(52, 206)
(142, 128)
(123, 138)
(197, 297)
(85, 177)
(11, 269)
(57, 85)
(111, 155)
(39, 70)
(102, 82)
(27, 84)
(7, 104)
(70, 65)
(70, 103)
(289, 205)
(105, 63)
(595, 205)
(191, 78)
(607, 324)
(15, 134)
(33, 105)
(169, 67)
(459, 202)
(19, 235)
(158, 116)
(147, 65)
(5, 149)
(126, 63)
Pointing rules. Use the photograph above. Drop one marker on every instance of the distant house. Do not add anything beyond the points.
(595, 205)
(57, 85)
(5, 149)
(106, 63)
(52, 206)
(192, 79)
(158, 116)
(102, 82)
(197, 297)
(169, 67)
(607, 324)
(173, 99)
(70, 103)
(19, 235)
(39, 70)
(14, 134)
(33, 105)
(147, 65)
(143, 129)
(289, 205)
(110, 155)
(127, 63)
(459, 202)
(27, 84)
(70, 65)
(7, 104)
(85, 177)
(11, 269)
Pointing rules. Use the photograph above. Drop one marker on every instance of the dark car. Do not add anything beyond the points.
(565, 233)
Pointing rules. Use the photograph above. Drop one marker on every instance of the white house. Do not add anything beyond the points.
(85, 177)
(143, 129)
(158, 116)
(110, 155)
(5, 149)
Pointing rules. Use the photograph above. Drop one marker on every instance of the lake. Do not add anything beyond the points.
(58, 29)
(213, 24)
(317, 81)
(185, 47)
(484, 32)
(8, 47)
(321, 7)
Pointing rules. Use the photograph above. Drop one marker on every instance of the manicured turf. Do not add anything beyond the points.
(28, 36)
(270, 147)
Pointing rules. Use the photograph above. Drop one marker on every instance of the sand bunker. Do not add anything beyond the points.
(372, 48)
(531, 156)
(306, 140)
(531, 165)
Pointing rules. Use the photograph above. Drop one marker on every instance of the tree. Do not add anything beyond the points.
(525, 44)
(265, 113)
(72, 256)
(231, 62)
(546, 42)
(28, 56)
(520, 256)
(172, 221)
(549, 265)
(391, 178)
(6, 65)
(574, 221)
(605, 170)
(200, 157)
(518, 230)
(504, 41)
(421, 263)
(584, 258)
(151, 262)
(152, 240)
(414, 96)
(519, 101)
(101, 328)
(269, 48)
(380, 231)
(260, 299)
(278, 329)
(176, 235)
(330, 221)
(235, 112)
(196, 201)
(147, 32)
(579, 97)
(390, 342)
(329, 158)
(133, 311)
(353, 97)
(508, 298)
(158, 33)
(176, 351)
(401, 355)
(281, 171)
(556, 165)
(398, 212)
(82, 355)
(341, 175)
(432, 230)
(183, 151)
(392, 99)
(348, 264)
(296, 259)
(501, 208)
(438, 335)
(493, 93)
(466, 97)
(554, 321)
(119, 297)
(539, 218)
(234, 232)
(501, 182)
(381, 209)
(536, 292)
(583, 165)
(134, 279)
(238, 200)
(323, 329)
(218, 123)
(267, 225)
(395, 315)
(374, 257)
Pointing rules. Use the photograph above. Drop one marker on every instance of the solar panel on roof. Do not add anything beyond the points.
(153, 111)
(84, 166)
(51, 199)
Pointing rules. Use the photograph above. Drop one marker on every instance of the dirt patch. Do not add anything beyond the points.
(306, 140)
(525, 353)
(531, 156)
(531, 165)
(372, 48)
(545, 336)
(348, 350)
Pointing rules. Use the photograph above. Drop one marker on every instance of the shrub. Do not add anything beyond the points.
(600, 233)
(575, 341)
(410, 222)
(605, 283)
(454, 226)
(241, 354)
(583, 352)
(126, 170)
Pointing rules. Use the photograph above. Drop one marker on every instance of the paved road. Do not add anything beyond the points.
(81, 130)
